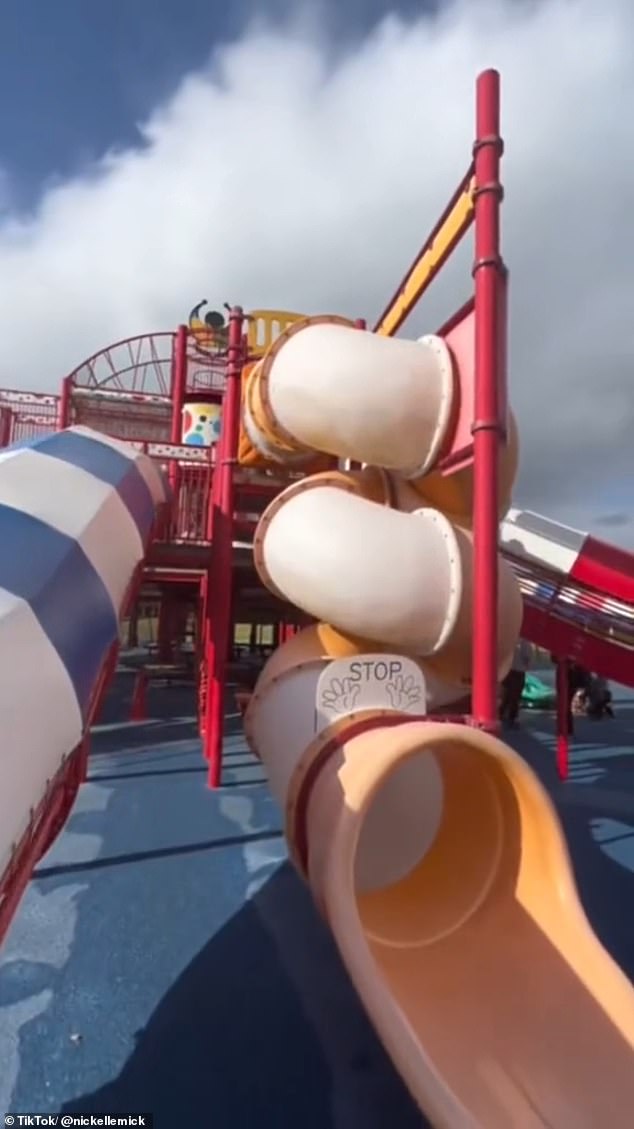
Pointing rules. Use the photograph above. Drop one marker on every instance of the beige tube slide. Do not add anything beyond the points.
(431, 849)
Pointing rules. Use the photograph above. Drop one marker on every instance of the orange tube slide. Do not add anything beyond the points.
(478, 968)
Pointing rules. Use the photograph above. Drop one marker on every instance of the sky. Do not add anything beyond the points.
(295, 156)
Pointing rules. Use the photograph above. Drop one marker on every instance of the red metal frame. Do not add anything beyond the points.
(133, 378)
(488, 432)
(146, 381)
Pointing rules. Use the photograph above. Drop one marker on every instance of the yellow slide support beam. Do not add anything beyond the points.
(431, 259)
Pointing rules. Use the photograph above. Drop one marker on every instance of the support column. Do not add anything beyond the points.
(487, 428)
(563, 709)
(178, 390)
(221, 572)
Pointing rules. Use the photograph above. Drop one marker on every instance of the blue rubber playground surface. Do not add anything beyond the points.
(166, 959)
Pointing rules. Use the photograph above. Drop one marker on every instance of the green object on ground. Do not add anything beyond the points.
(537, 695)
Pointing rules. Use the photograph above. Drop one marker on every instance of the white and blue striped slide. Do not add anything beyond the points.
(77, 512)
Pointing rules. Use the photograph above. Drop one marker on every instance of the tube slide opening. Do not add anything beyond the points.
(494, 998)
(430, 844)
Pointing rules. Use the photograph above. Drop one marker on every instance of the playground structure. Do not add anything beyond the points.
(254, 507)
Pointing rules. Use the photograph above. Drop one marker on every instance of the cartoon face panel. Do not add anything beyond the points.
(201, 425)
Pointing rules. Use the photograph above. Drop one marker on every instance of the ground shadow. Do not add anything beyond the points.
(604, 886)
(171, 710)
(262, 1029)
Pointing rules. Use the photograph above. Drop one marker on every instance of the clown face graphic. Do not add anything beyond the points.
(201, 425)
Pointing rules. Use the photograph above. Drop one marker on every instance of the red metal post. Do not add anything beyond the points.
(220, 581)
(487, 425)
(202, 649)
(101, 691)
(6, 416)
(207, 603)
(563, 709)
(138, 706)
(65, 404)
(179, 383)
(213, 488)
(178, 390)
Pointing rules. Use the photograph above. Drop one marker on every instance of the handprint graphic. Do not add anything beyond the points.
(340, 695)
(403, 692)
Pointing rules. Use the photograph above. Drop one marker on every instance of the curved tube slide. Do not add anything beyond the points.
(430, 848)
(467, 943)
(77, 510)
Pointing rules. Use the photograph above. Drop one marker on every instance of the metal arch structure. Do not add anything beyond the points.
(136, 388)
(143, 365)
(138, 365)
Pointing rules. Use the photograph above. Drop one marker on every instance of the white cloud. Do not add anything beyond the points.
(291, 177)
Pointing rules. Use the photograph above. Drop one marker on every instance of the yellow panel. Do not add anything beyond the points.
(430, 262)
(265, 327)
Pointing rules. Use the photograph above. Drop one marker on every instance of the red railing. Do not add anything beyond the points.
(23, 415)
(575, 622)
(188, 521)
(588, 610)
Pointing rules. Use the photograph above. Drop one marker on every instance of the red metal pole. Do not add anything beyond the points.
(210, 599)
(203, 672)
(219, 596)
(487, 425)
(5, 426)
(179, 383)
(213, 486)
(138, 707)
(178, 390)
(563, 707)
(65, 404)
